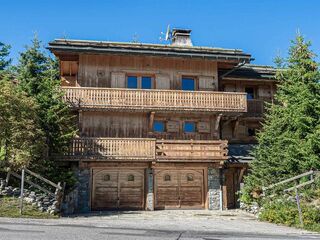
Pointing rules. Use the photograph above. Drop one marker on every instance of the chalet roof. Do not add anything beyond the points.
(85, 46)
(250, 71)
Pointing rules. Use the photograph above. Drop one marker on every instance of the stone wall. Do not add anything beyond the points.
(149, 203)
(214, 189)
(83, 191)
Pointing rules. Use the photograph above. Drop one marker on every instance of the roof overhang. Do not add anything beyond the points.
(65, 46)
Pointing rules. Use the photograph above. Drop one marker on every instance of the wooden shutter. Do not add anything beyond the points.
(118, 80)
(172, 126)
(162, 81)
(207, 83)
(204, 127)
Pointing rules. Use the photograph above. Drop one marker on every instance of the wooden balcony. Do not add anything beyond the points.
(168, 150)
(111, 148)
(145, 149)
(148, 100)
(256, 108)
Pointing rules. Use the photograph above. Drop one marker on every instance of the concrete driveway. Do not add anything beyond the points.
(178, 224)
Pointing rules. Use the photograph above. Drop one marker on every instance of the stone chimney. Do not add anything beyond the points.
(181, 37)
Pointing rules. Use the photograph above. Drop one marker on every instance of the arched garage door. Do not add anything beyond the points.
(117, 189)
(179, 188)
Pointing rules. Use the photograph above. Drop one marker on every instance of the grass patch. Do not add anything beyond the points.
(9, 207)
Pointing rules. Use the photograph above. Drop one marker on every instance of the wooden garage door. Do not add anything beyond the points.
(117, 189)
(179, 188)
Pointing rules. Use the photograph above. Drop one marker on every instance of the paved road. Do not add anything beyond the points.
(182, 225)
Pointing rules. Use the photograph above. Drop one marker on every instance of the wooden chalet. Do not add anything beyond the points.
(156, 121)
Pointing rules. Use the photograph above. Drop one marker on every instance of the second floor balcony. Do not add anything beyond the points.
(145, 149)
(152, 100)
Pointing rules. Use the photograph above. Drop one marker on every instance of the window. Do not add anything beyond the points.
(132, 82)
(189, 127)
(188, 84)
(251, 132)
(106, 178)
(250, 92)
(130, 178)
(167, 178)
(158, 126)
(138, 81)
(146, 82)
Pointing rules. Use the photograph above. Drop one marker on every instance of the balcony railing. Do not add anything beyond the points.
(98, 149)
(137, 99)
(191, 149)
(112, 148)
(256, 108)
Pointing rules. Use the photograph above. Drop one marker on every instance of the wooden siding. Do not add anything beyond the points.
(140, 149)
(131, 125)
(172, 100)
(97, 70)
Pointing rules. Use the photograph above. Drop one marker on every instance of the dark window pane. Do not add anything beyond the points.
(158, 126)
(250, 93)
(188, 84)
(189, 127)
(251, 132)
(132, 82)
(146, 82)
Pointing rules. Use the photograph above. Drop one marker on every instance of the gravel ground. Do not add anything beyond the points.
(179, 224)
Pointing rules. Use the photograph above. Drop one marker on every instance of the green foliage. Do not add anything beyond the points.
(38, 76)
(21, 139)
(286, 212)
(289, 143)
(4, 53)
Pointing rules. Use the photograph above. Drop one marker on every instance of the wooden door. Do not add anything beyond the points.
(104, 189)
(117, 189)
(131, 186)
(179, 188)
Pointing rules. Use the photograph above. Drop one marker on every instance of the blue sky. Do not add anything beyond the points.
(263, 28)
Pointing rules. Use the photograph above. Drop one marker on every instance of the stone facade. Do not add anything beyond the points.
(150, 195)
(83, 191)
(214, 189)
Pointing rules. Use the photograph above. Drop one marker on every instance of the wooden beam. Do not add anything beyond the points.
(235, 128)
(151, 120)
(33, 184)
(43, 179)
(217, 122)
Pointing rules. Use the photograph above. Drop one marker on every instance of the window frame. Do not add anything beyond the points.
(255, 95)
(194, 124)
(139, 77)
(159, 121)
(195, 79)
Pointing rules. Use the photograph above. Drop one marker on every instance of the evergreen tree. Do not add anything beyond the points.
(21, 138)
(4, 53)
(289, 143)
(38, 76)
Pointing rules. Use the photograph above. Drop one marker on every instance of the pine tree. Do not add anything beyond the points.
(38, 76)
(289, 143)
(4, 53)
(21, 138)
